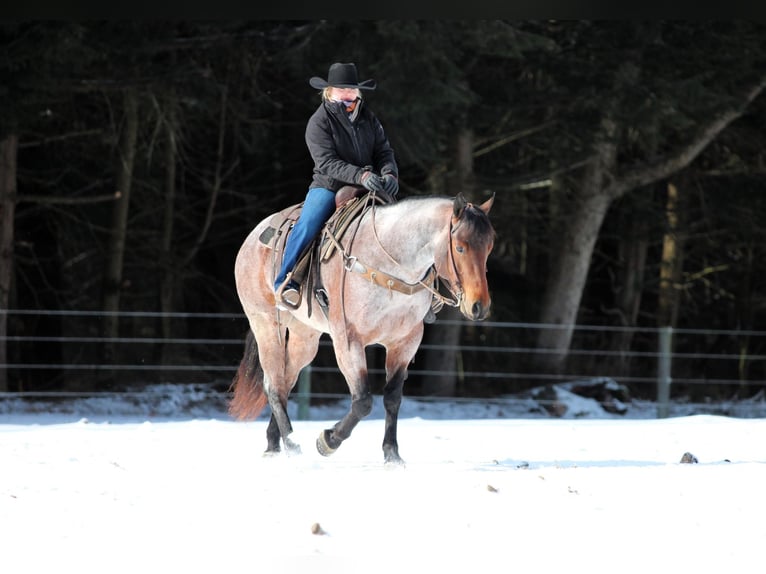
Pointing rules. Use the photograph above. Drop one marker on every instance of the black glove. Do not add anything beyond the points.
(390, 184)
(371, 181)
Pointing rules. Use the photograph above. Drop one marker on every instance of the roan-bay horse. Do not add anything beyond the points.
(375, 289)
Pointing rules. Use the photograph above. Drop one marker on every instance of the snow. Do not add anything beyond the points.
(132, 485)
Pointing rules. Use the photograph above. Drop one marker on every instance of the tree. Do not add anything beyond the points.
(8, 150)
(579, 127)
(115, 255)
(28, 75)
(608, 176)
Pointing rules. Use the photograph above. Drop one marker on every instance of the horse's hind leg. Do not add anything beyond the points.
(279, 424)
(273, 436)
(281, 366)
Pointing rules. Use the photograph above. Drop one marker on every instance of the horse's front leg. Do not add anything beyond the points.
(398, 357)
(392, 400)
(330, 439)
(353, 365)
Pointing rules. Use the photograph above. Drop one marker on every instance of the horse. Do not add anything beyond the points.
(375, 289)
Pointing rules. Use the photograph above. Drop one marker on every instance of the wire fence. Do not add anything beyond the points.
(65, 353)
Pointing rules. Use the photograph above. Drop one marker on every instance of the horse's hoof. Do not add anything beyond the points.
(323, 445)
(392, 458)
(292, 448)
(270, 453)
(394, 462)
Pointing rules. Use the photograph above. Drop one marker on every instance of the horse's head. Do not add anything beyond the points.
(472, 238)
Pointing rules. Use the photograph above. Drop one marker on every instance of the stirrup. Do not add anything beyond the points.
(291, 297)
(289, 293)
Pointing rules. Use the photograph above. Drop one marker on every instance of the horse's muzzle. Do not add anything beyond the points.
(477, 312)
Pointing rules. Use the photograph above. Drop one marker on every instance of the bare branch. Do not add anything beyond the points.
(59, 138)
(641, 176)
(216, 186)
(57, 200)
(510, 138)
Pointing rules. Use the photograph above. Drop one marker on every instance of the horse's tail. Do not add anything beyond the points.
(249, 397)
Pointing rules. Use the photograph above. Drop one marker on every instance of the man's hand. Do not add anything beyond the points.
(371, 181)
(390, 184)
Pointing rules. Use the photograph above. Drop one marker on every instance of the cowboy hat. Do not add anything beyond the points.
(342, 76)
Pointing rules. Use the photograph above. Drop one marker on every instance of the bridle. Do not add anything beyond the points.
(455, 287)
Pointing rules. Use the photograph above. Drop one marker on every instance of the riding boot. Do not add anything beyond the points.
(317, 208)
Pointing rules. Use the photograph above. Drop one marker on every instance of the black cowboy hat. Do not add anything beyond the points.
(342, 76)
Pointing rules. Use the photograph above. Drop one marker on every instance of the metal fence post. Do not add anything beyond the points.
(663, 372)
(304, 393)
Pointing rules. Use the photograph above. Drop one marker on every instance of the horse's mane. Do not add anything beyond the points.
(475, 219)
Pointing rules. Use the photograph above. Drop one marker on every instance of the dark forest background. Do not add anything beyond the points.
(627, 159)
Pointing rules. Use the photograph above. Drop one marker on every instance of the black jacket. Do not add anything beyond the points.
(341, 149)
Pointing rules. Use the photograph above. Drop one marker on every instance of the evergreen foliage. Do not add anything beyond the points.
(533, 93)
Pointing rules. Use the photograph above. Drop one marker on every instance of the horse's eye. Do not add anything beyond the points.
(459, 248)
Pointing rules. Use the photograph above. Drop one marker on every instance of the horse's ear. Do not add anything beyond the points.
(487, 205)
(458, 206)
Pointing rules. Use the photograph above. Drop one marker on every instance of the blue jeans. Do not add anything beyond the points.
(318, 206)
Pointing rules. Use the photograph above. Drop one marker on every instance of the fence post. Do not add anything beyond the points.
(663, 372)
(304, 393)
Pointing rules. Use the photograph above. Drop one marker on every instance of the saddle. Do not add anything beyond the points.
(351, 202)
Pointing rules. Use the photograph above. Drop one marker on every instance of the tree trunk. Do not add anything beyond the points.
(564, 290)
(671, 263)
(745, 319)
(447, 337)
(215, 186)
(632, 253)
(119, 226)
(8, 151)
(167, 266)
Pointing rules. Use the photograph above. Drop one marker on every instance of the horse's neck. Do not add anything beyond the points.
(410, 232)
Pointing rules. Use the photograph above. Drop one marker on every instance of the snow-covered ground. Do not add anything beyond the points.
(171, 484)
(171, 402)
